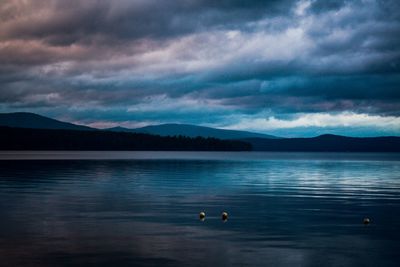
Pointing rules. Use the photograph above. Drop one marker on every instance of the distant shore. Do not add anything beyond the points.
(77, 140)
(194, 155)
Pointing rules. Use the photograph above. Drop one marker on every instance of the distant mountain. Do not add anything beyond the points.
(35, 121)
(174, 129)
(120, 129)
(327, 143)
(66, 135)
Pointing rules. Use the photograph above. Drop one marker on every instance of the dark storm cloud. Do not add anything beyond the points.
(66, 22)
(160, 60)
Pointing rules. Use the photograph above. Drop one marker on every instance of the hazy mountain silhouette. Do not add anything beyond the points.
(174, 129)
(35, 121)
(327, 143)
(24, 130)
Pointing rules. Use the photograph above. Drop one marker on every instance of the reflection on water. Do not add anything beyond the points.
(284, 210)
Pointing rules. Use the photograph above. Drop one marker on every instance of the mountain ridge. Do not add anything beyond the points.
(327, 143)
(35, 121)
(259, 142)
(174, 129)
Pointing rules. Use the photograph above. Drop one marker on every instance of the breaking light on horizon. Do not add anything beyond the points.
(289, 68)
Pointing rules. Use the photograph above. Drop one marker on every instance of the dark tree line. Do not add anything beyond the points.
(45, 139)
(327, 143)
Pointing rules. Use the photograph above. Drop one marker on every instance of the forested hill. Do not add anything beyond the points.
(46, 139)
(36, 121)
(327, 143)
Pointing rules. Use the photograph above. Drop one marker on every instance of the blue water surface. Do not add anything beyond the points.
(141, 209)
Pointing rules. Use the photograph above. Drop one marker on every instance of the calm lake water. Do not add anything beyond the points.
(141, 209)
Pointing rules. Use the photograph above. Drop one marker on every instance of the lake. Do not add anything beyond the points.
(142, 209)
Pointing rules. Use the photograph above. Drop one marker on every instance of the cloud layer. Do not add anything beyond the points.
(205, 62)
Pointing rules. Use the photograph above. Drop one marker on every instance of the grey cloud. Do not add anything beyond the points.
(98, 54)
(68, 22)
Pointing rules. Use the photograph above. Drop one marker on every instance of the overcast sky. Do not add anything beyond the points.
(290, 68)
